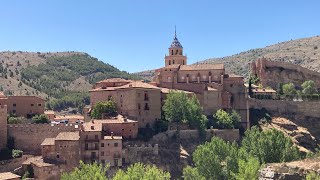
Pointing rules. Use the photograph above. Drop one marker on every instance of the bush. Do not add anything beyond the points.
(40, 119)
(14, 120)
(226, 120)
(16, 153)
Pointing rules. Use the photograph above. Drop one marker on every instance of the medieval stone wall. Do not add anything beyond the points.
(28, 137)
(272, 73)
(3, 125)
(135, 153)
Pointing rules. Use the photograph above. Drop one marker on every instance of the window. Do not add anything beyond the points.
(58, 156)
(39, 104)
(231, 85)
(139, 106)
(146, 96)
(93, 154)
(146, 106)
(102, 144)
(32, 104)
(102, 153)
(115, 162)
(172, 61)
(182, 62)
(14, 105)
(115, 144)
(122, 130)
(169, 62)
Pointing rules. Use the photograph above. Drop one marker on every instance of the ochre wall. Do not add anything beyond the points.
(28, 137)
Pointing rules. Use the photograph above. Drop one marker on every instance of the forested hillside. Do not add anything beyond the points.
(63, 79)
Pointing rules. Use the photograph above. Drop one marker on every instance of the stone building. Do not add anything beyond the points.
(137, 100)
(3, 125)
(214, 88)
(25, 106)
(97, 147)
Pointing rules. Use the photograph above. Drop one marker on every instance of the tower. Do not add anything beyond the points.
(175, 55)
(3, 126)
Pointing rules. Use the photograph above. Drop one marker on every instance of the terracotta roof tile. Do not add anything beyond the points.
(138, 84)
(8, 175)
(94, 126)
(48, 142)
(115, 80)
(113, 137)
(201, 67)
(68, 136)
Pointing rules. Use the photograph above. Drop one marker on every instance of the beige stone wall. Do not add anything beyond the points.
(25, 105)
(110, 153)
(28, 137)
(203, 75)
(225, 134)
(3, 125)
(135, 153)
(69, 153)
(272, 73)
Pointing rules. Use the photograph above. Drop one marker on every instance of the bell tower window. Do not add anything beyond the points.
(171, 52)
(169, 62)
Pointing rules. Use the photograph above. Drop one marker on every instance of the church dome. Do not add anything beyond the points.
(175, 43)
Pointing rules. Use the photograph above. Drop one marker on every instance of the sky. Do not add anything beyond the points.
(134, 35)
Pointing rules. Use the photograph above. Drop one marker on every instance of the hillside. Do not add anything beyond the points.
(56, 76)
(304, 52)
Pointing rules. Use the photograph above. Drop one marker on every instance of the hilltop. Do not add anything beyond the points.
(304, 52)
(64, 76)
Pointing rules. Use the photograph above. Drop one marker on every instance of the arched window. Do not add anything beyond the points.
(177, 51)
(171, 52)
(172, 61)
(182, 62)
(169, 62)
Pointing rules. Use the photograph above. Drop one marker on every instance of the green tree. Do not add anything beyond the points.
(139, 171)
(313, 176)
(309, 87)
(248, 169)
(86, 171)
(40, 119)
(216, 159)
(269, 146)
(289, 89)
(192, 173)
(16, 153)
(14, 120)
(101, 109)
(236, 118)
(175, 107)
(225, 120)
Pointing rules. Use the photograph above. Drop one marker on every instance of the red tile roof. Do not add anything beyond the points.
(115, 80)
(201, 67)
(68, 136)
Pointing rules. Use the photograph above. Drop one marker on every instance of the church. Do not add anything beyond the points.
(214, 88)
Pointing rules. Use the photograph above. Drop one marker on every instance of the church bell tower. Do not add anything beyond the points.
(175, 55)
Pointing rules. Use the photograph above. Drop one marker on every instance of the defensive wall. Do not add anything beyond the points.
(225, 134)
(136, 153)
(28, 137)
(303, 113)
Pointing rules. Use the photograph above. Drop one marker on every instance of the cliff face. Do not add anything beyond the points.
(272, 73)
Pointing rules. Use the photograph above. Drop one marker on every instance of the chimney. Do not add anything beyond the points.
(111, 135)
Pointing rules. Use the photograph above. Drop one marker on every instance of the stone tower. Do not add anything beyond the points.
(3, 126)
(175, 53)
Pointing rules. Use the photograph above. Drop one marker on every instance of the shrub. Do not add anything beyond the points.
(40, 119)
(16, 153)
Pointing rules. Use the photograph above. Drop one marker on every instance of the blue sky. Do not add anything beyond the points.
(135, 35)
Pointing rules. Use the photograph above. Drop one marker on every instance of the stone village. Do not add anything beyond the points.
(50, 149)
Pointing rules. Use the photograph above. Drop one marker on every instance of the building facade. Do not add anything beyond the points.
(24, 106)
(3, 125)
(214, 88)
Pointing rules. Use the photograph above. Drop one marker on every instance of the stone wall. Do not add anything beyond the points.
(135, 153)
(271, 73)
(12, 164)
(3, 123)
(303, 113)
(226, 134)
(28, 137)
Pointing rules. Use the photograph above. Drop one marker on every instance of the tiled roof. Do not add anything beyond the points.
(263, 90)
(166, 90)
(68, 136)
(138, 84)
(48, 142)
(103, 89)
(113, 137)
(201, 67)
(115, 80)
(8, 175)
(2, 95)
(172, 66)
(37, 161)
(94, 126)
